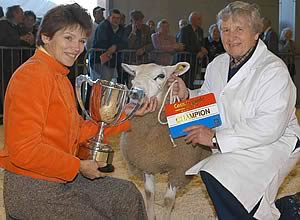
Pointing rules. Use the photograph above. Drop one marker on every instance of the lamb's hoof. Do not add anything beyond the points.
(109, 168)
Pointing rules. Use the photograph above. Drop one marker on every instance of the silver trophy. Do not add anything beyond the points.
(106, 105)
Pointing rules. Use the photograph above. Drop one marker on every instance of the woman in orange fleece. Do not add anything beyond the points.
(43, 178)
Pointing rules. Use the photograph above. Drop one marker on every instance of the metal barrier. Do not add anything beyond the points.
(12, 57)
(112, 68)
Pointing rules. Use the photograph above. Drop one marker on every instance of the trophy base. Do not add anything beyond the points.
(109, 168)
(98, 152)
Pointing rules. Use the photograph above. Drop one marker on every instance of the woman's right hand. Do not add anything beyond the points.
(89, 169)
(179, 88)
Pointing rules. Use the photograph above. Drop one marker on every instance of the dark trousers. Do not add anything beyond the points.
(225, 203)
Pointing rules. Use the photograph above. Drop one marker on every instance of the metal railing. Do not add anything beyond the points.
(12, 57)
(196, 71)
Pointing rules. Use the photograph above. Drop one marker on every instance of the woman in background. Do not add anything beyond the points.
(213, 42)
(164, 43)
(287, 50)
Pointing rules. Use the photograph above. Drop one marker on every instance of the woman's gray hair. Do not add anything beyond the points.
(161, 22)
(211, 29)
(283, 33)
(241, 9)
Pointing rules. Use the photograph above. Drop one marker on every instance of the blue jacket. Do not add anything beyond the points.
(105, 37)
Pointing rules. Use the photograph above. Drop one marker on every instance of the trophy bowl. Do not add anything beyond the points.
(106, 105)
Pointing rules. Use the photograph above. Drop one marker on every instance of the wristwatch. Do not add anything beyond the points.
(215, 142)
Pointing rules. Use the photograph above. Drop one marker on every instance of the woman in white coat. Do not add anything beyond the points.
(257, 144)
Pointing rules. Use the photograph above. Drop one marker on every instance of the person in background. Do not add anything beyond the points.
(287, 48)
(98, 14)
(10, 37)
(139, 37)
(43, 177)
(269, 36)
(151, 25)
(257, 144)
(286, 43)
(1, 12)
(111, 37)
(181, 23)
(191, 36)
(28, 26)
(98, 17)
(123, 20)
(213, 42)
(165, 44)
(9, 34)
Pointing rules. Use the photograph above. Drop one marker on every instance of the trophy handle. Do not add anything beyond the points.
(135, 96)
(79, 81)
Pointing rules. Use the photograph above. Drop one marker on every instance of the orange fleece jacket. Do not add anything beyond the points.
(42, 127)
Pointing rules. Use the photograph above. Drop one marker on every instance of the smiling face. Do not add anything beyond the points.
(238, 36)
(66, 45)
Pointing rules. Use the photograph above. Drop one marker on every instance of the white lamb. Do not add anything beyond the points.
(148, 148)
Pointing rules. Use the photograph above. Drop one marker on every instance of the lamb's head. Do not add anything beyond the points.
(152, 77)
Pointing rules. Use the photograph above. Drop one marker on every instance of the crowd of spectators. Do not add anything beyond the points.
(149, 42)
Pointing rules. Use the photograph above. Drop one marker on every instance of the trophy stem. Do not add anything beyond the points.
(100, 134)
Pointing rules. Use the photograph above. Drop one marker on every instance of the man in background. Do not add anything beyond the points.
(181, 23)
(98, 18)
(191, 36)
(109, 36)
(269, 36)
(28, 27)
(139, 36)
(10, 37)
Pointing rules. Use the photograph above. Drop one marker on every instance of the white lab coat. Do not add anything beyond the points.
(259, 130)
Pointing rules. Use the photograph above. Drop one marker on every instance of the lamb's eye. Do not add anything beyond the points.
(161, 76)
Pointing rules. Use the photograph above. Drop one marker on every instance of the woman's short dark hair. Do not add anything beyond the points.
(61, 17)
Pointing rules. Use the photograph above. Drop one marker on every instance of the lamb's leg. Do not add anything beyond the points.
(169, 201)
(149, 185)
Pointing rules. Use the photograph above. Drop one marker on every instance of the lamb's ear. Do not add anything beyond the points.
(181, 68)
(131, 69)
(178, 69)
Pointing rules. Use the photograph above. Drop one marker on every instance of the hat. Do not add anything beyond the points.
(98, 8)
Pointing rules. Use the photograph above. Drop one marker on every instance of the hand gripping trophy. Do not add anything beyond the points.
(106, 104)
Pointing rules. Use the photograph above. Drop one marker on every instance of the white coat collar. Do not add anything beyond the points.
(251, 64)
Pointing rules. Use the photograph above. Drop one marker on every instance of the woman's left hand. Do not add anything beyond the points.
(199, 134)
(149, 105)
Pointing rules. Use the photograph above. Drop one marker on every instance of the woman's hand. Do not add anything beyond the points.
(199, 134)
(149, 105)
(89, 169)
(179, 88)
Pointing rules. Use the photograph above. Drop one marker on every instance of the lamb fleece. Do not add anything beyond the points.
(148, 149)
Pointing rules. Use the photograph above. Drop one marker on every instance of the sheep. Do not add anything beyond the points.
(147, 147)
